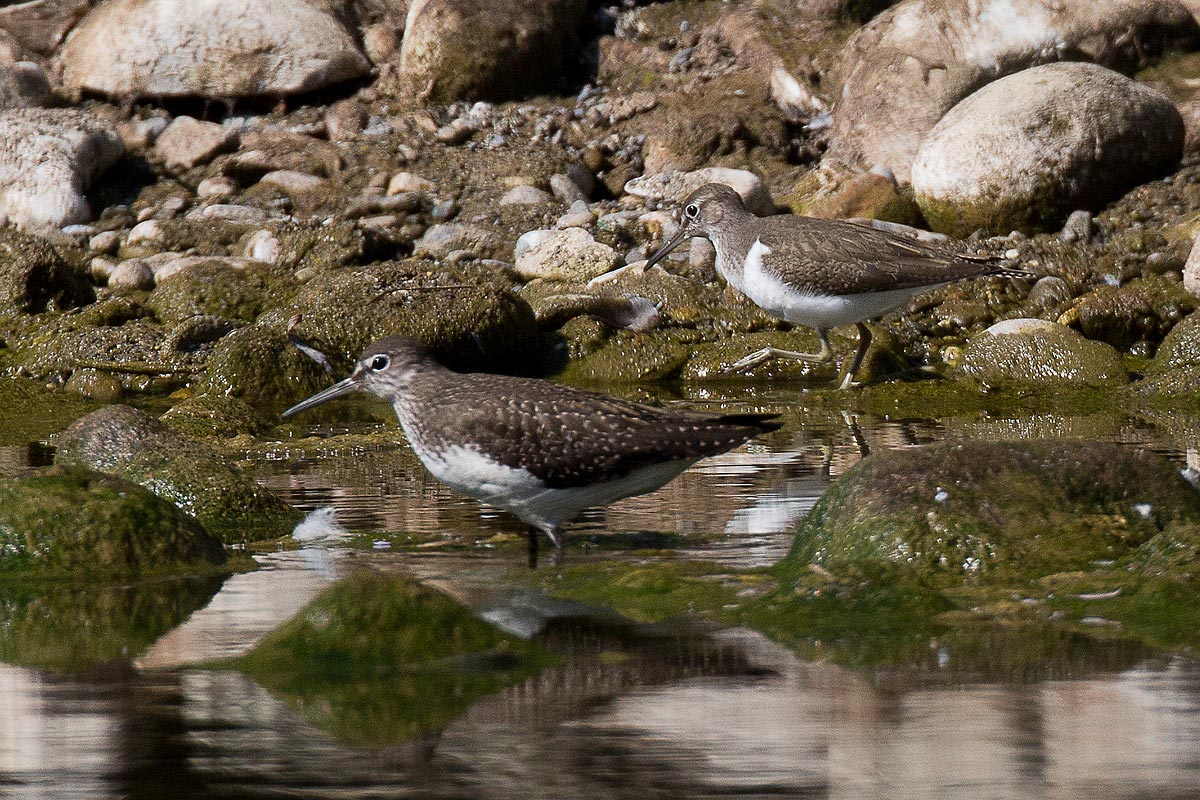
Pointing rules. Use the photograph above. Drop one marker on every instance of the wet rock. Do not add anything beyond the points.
(215, 416)
(187, 142)
(70, 521)
(22, 85)
(196, 477)
(1037, 352)
(34, 278)
(261, 367)
(48, 159)
(978, 512)
(1049, 292)
(631, 312)
(1027, 149)
(217, 287)
(472, 322)
(443, 239)
(672, 187)
(632, 358)
(472, 49)
(567, 255)
(912, 63)
(393, 640)
(161, 48)
(1143, 310)
(1175, 371)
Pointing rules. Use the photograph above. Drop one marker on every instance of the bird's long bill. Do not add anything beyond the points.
(339, 389)
(666, 248)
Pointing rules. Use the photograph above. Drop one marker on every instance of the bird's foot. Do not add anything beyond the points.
(768, 353)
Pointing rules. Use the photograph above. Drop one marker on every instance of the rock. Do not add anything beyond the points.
(912, 63)
(1181, 348)
(162, 48)
(577, 216)
(407, 182)
(422, 641)
(1037, 352)
(148, 233)
(218, 187)
(69, 521)
(48, 159)
(1191, 269)
(237, 290)
(261, 367)
(1077, 228)
(95, 385)
(476, 49)
(187, 142)
(34, 278)
(1143, 310)
(262, 245)
(132, 273)
(292, 182)
(441, 240)
(345, 120)
(229, 212)
(41, 25)
(567, 255)
(22, 85)
(105, 243)
(143, 133)
(219, 417)
(988, 512)
(871, 196)
(672, 187)
(1024, 151)
(1049, 291)
(567, 190)
(525, 196)
(195, 476)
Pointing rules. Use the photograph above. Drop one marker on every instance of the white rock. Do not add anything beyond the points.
(262, 245)
(567, 255)
(145, 132)
(48, 157)
(149, 232)
(208, 48)
(530, 239)
(1191, 269)
(914, 61)
(292, 182)
(1018, 326)
(525, 196)
(105, 242)
(673, 187)
(407, 182)
(217, 187)
(133, 273)
(1026, 150)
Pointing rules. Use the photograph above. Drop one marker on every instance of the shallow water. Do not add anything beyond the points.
(666, 710)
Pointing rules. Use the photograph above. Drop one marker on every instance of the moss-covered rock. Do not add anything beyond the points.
(1180, 348)
(1143, 310)
(470, 321)
(74, 625)
(1035, 352)
(188, 472)
(35, 278)
(376, 660)
(215, 416)
(631, 358)
(233, 291)
(968, 512)
(261, 367)
(71, 521)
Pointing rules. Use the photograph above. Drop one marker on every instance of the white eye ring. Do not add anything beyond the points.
(692, 211)
(379, 363)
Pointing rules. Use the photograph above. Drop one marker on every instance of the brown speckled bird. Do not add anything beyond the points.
(818, 272)
(542, 451)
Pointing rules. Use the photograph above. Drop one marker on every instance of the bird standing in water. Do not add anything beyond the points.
(542, 451)
(817, 272)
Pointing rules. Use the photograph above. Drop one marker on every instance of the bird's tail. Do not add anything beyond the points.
(763, 422)
(998, 267)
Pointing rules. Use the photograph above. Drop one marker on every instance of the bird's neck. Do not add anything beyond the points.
(732, 243)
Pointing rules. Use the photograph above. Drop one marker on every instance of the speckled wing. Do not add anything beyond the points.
(569, 437)
(834, 257)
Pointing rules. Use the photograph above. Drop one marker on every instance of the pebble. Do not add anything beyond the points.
(570, 255)
(408, 182)
(525, 196)
(292, 182)
(133, 273)
(149, 232)
(577, 216)
(145, 132)
(1077, 228)
(187, 142)
(230, 213)
(262, 245)
(105, 242)
(566, 189)
(217, 187)
(344, 120)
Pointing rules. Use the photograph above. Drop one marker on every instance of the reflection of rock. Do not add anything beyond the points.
(67, 626)
(378, 660)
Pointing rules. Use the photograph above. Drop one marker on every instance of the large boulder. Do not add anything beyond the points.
(477, 49)
(48, 158)
(1026, 150)
(188, 472)
(208, 48)
(912, 63)
(66, 521)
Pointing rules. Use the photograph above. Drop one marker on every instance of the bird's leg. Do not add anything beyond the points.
(864, 341)
(767, 353)
(534, 533)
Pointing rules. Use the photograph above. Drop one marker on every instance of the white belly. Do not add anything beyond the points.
(807, 308)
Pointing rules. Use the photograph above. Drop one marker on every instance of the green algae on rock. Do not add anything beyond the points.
(376, 660)
(73, 625)
(188, 472)
(259, 365)
(1143, 310)
(215, 417)
(68, 521)
(237, 290)
(35, 278)
(1037, 352)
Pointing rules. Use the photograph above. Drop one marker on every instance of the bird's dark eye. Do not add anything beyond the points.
(379, 363)
(692, 211)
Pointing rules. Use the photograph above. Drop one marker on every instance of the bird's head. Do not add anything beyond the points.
(701, 215)
(384, 370)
